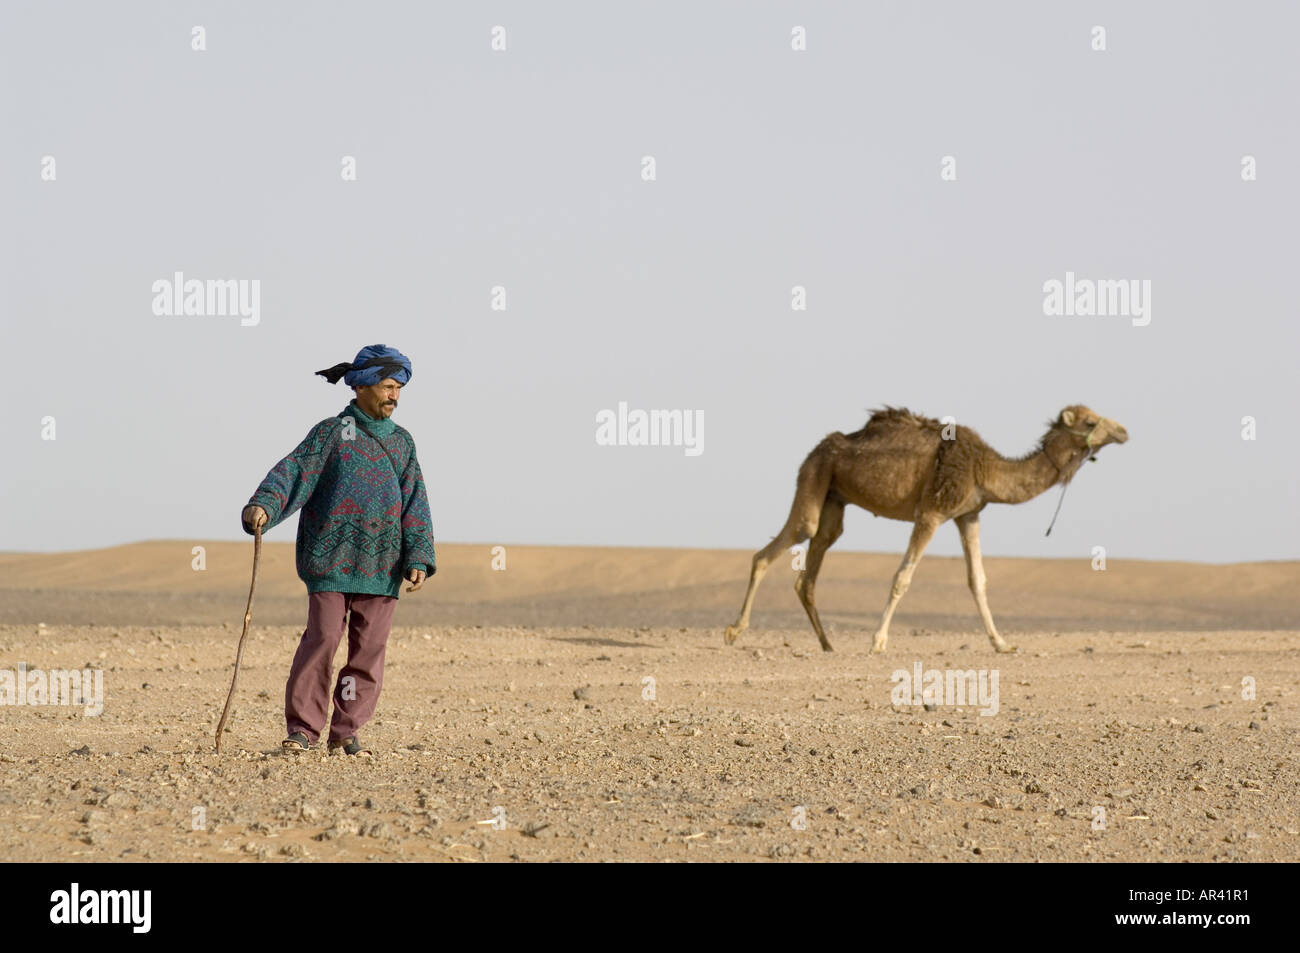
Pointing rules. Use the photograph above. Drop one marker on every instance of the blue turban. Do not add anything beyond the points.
(371, 365)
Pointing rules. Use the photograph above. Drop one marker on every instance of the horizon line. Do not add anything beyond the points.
(864, 552)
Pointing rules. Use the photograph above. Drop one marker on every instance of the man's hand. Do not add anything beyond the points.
(253, 516)
(417, 577)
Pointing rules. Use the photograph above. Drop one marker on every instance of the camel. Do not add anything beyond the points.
(907, 467)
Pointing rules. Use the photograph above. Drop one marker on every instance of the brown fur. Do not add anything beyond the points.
(903, 466)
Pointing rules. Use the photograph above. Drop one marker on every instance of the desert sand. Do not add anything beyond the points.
(581, 705)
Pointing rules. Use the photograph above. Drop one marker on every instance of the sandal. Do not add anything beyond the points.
(350, 745)
(296, 742)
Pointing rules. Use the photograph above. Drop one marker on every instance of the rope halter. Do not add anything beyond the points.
(1088, 454)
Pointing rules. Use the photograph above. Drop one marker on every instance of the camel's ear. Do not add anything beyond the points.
(1067, 418)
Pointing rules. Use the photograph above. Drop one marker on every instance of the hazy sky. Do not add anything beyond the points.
(774, 168)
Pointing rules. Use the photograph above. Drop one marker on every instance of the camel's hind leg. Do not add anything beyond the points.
(805, 514)
(762, 559)
(829, 530)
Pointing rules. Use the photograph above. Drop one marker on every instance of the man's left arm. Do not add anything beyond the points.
(417, 524)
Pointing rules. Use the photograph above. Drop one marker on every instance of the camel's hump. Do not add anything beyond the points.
(901, 416)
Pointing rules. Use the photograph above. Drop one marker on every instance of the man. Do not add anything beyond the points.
(365, 524)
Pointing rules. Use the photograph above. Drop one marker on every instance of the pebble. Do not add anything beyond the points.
(342, 826)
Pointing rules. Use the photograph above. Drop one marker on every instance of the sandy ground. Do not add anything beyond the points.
(517, 723)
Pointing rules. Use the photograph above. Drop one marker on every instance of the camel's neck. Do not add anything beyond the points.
(1015, 481)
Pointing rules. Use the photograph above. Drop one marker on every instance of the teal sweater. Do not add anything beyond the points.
(365, 517)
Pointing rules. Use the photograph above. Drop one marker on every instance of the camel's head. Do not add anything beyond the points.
(1088, 430)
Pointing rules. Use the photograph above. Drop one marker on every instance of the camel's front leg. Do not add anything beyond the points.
(921, 535)
(969, 527)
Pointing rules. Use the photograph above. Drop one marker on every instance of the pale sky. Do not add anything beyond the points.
(774, 168)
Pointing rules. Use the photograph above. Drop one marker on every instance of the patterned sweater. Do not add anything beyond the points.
(365, 517)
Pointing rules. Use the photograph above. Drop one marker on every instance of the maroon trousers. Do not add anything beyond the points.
(307, 694)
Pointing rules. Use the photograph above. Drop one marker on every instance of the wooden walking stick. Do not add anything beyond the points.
(239, 652)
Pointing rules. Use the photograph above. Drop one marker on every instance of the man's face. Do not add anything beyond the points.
(379, 400)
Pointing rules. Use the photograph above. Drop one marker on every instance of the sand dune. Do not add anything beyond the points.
(153, 582)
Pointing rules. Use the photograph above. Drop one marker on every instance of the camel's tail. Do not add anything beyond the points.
(811, 487)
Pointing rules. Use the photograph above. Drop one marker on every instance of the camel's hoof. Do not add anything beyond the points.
(877, 648)
(826, 647)
(732, 634)
(1006, 649)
